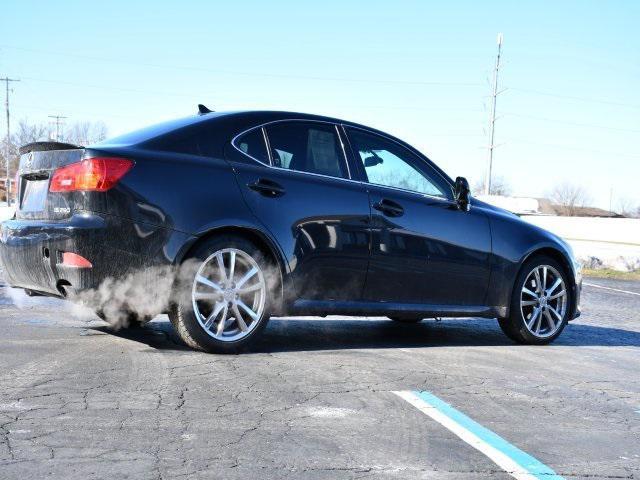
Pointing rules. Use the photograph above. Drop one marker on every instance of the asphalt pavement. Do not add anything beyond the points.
(315, 399)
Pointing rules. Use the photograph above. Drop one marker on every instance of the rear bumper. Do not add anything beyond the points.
(31, 254)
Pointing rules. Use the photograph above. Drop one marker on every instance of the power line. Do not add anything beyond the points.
(7, 81)
(492, 119)
(388, 107)
(565, 122)
(571, 97)
(608, 153)
(319, 78)
(252, 74)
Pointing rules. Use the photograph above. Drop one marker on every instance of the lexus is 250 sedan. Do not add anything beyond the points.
(278, 214)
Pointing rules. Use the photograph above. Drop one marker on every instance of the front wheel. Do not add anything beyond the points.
(540, 303)
(223, 292)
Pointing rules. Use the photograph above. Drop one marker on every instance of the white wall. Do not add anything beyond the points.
(613, 241)
(5, 212)
(618, 230)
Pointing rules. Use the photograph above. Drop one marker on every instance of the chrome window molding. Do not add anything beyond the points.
(412, 192)
(416, 153)
(344, 153)
(268, 146)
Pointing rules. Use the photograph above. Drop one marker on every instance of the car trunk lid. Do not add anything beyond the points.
(38, 161)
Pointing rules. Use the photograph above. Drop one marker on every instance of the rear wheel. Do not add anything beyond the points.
(540, 303)
(222, 295)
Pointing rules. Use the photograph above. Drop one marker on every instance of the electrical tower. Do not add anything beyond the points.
(7, 184)
(492, 119)
(59, 122)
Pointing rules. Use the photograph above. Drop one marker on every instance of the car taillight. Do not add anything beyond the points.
(92, 174)
(70, 259)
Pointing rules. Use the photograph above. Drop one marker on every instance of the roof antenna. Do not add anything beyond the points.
(202, 110)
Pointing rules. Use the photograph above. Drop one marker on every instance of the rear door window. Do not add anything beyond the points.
(312, 147)
(252, 143)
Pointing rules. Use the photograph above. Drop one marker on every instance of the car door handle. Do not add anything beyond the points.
(268, 188)
(389, 208)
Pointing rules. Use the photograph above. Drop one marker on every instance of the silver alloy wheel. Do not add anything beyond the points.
(543, 301)
(229, 294)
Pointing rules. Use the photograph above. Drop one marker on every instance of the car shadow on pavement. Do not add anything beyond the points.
(157, 335)
(298, 335)
(294, 334)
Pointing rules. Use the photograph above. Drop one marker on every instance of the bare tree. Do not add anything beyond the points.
(26, 133)
(85, 133)
(627, 207)
(499, 186)
(30, 132)
(80, 133)
(569, 197)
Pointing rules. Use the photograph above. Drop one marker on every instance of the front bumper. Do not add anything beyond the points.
(31, 254)
(577, 278)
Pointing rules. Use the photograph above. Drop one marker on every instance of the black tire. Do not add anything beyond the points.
(406, 319)
(181, 312)
(129, 320)
(136, 321)
(515, 326)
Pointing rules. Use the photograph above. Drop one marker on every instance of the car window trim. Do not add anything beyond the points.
(412, 192)
(264, 139)
(268, 146)
(412, 150)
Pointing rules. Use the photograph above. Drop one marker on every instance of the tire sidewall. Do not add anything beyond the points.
(184, 306)
(516, 317)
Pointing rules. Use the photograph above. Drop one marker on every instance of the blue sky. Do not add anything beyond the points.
(417, 69)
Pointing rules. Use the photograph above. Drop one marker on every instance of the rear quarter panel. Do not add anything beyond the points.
(181, 193)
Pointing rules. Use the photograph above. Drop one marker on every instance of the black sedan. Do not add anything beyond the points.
(226, 219)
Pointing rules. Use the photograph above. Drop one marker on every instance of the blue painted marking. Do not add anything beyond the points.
(526, 461)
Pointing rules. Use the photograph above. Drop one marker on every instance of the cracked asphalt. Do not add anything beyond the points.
(314, 399)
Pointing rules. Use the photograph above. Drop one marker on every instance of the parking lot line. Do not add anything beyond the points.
(511, 459)
(610, 288)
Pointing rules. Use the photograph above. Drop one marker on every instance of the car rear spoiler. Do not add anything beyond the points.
(45, 146)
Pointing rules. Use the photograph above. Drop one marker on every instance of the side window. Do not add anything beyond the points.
(252, 143)
(307, 147)
(390, 164)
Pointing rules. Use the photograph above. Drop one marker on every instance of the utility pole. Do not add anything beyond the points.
(58, 121)
(611, 199)
(492, 119)
(7, 81)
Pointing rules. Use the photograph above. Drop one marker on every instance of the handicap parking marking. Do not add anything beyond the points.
(610, 288)
(511, 459)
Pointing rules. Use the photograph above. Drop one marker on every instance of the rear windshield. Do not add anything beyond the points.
(144, 134)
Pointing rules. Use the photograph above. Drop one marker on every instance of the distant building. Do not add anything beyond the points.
(540, 206)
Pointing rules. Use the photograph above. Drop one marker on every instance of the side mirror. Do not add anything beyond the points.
(373, 160)
(462, 194)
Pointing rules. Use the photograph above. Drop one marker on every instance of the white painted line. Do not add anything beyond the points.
(609, 288)
(512, 460)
